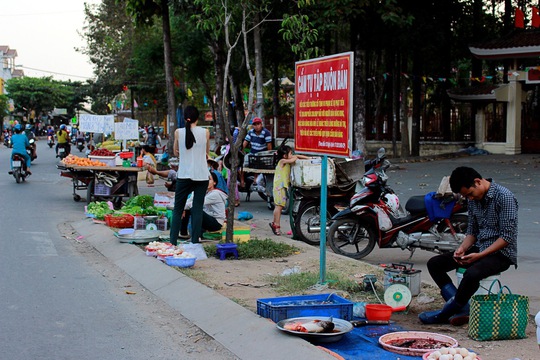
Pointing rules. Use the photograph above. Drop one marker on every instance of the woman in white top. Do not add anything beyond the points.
(191, 145)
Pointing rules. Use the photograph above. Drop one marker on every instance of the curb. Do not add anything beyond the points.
(242, 332)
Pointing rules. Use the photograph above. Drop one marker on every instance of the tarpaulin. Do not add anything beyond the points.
(363, 344)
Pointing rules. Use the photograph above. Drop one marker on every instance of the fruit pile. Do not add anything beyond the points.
(102, 152)
(80, 161)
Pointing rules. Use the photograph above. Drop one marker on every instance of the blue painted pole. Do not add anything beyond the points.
(324, 194)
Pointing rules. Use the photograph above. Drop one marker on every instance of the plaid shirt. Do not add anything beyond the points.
(495, 216)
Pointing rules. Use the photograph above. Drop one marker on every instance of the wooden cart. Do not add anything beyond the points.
(102, 182)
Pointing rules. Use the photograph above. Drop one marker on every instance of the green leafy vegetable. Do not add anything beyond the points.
(99, 209)
(143, 201)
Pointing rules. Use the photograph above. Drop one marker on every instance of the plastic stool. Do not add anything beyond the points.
(485, 284)
(223, 249)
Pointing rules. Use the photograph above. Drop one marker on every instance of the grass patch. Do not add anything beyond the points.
(258, 249)
(302, 282)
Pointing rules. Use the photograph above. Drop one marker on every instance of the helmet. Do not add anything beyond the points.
(28, 126)
(62, 127)
(18, 127)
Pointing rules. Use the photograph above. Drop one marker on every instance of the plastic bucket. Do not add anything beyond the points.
(484, 284)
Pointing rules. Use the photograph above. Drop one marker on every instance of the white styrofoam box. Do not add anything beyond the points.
(307, 173)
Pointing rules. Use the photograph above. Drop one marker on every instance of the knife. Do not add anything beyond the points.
(357, 323)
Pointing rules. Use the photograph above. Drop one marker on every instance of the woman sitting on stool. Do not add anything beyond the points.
(213, 215)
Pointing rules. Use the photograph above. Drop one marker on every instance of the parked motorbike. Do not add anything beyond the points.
(375, 216)
(306, 210)
(261, 183)
(80, 144)
(19, 168)
(50, 141)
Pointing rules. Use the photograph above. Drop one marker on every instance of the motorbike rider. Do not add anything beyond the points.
(63, 139)
(259, 139)
(489, 248)
(28, 130)
(20, 143)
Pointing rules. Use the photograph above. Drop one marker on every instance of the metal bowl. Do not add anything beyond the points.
(341, 328)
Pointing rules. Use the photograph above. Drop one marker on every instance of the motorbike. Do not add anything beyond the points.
(19, 168)
(50, 141)
(306, 210)
(375, 217)
(31, 150)
(80, 144)
(261, 183)
(7, 141)
(63, 150)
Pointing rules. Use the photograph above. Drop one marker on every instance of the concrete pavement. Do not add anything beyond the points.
(241, 331)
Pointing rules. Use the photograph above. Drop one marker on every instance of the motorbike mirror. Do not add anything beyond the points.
(381, 153)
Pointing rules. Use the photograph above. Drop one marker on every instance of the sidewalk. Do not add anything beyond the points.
(241, 331)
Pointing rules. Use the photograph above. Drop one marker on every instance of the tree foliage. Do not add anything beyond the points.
(44, 94)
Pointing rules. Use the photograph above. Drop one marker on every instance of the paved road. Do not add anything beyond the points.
(61, 299)
(520, 173)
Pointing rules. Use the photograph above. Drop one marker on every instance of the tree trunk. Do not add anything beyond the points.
(219, 62)
(359, 102)
(395, 102)
(417, 105)
(169, 76)
(259, 105)
(405, 149)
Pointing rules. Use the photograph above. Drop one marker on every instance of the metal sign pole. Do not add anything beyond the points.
(324, 192)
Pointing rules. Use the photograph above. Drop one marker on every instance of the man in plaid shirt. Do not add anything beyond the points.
(489, 248)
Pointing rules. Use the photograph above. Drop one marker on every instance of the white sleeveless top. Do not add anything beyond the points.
(192, 163)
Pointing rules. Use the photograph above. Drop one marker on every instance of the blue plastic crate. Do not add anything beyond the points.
(281, 308)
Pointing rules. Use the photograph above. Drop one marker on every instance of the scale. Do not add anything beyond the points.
(397, 295)
(151, 222)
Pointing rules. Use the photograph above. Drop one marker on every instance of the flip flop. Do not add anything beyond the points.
(275, 229)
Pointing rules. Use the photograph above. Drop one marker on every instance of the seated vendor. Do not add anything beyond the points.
(170, 174)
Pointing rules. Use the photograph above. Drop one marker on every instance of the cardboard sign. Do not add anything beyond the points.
(126, 130)
(103, 124)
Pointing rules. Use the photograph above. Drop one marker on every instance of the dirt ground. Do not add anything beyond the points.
(245, 281)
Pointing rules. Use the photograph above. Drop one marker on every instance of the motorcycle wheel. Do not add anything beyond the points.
(351, 238)
(18, 176)
(263, 196)
(309, 213)
(89, 192)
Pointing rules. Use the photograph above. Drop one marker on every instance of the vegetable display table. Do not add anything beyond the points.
(102, 182)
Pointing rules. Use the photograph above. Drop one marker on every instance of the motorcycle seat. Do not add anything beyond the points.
(416, 204)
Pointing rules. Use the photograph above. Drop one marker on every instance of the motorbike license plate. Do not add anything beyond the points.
(16, 163)
(61, 150)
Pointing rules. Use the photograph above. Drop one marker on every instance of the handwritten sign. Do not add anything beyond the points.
(323, 105)
(126, 130)
(96, 123)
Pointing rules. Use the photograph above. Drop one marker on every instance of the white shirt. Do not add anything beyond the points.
(192, 163)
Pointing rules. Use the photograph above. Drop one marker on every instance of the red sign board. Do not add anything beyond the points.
(323, 105)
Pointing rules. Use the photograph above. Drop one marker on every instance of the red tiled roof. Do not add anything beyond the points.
(518, 44)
